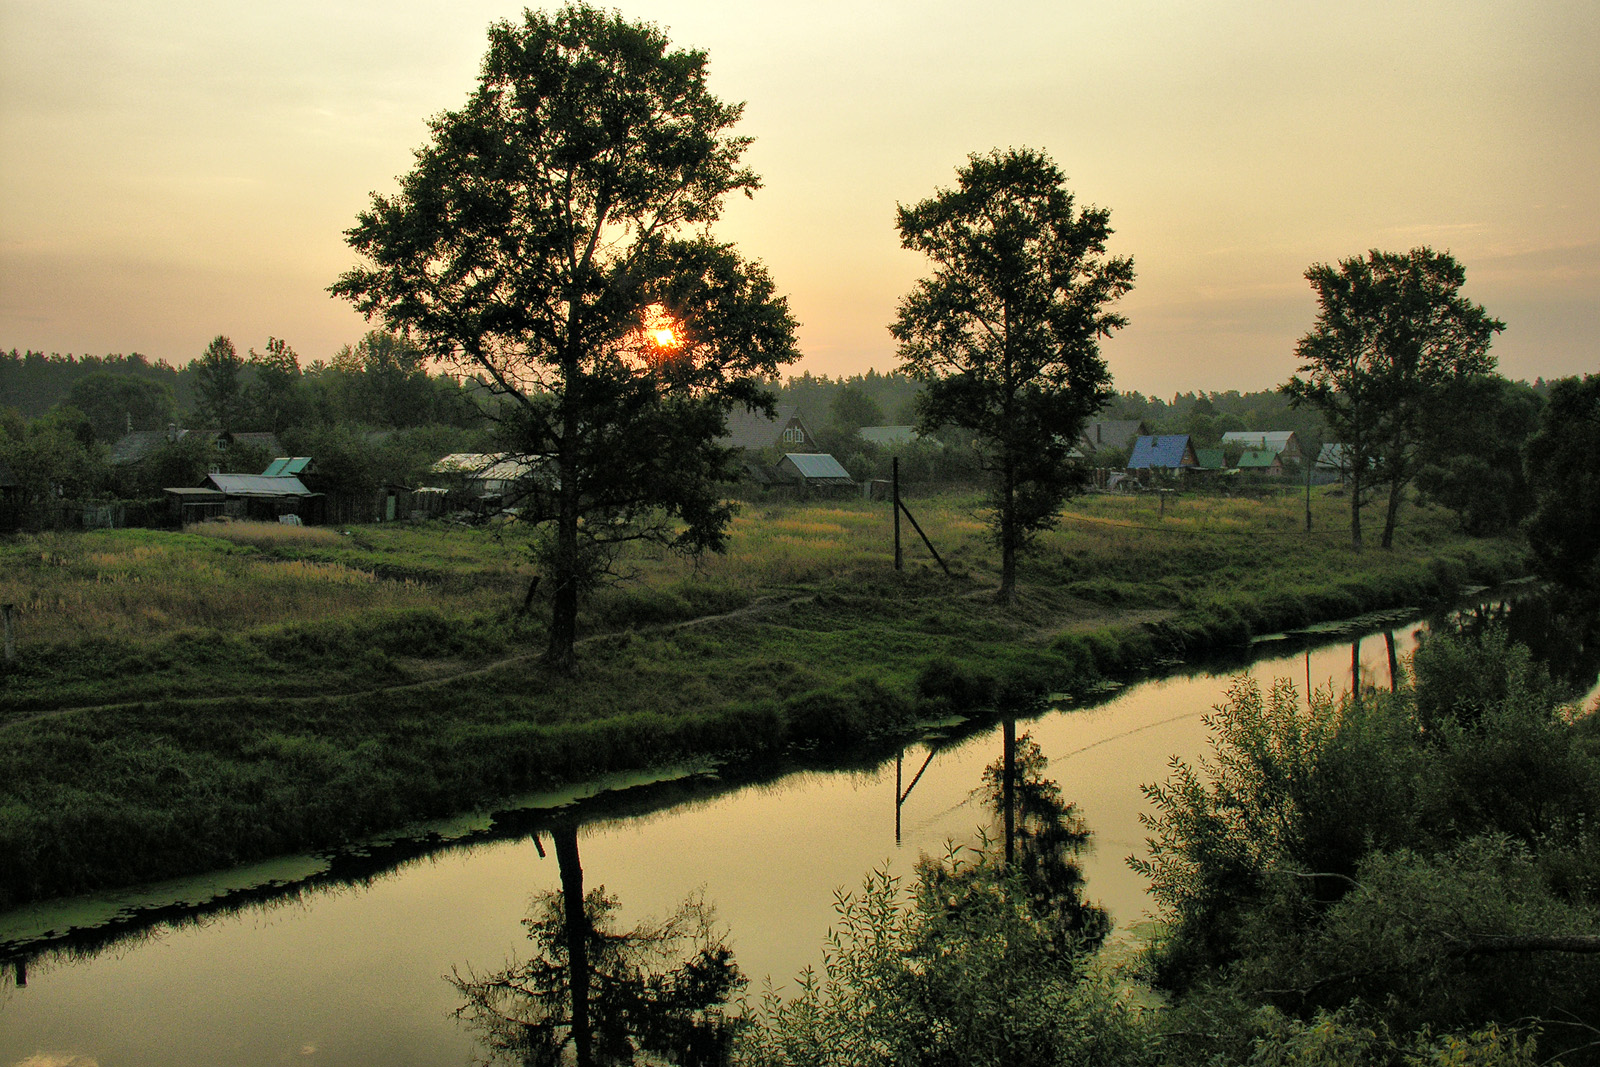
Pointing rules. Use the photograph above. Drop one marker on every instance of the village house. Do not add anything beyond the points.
(1110, 433)
(810, 471)
(1281, 443)
(1261, 461)
(257, 497)
(135, 447)
(755, 431)
(1172, 451)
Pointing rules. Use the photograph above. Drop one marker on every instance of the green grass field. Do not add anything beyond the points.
(188, 701)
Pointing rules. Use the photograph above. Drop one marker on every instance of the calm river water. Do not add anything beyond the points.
(353, 974)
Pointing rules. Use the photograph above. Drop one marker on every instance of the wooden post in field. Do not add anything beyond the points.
(1162, 494)
(11, 641)
(895, 467)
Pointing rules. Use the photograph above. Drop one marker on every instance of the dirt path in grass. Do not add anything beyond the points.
(442, 672)
(445, 672)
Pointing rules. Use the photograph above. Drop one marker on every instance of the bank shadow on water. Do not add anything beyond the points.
(78, 928)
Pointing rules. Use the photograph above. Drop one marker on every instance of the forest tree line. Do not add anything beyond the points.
(376, 412)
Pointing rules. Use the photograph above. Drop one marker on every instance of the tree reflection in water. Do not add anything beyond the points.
(594, 995)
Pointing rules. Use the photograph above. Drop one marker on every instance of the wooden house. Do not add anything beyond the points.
(1261, 461)
(809, 470)
(754, 431)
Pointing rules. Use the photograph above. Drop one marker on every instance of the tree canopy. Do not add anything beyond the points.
(1005, 332)
(1392, 334)
(553, 236)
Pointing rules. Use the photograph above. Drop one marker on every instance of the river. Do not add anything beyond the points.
(352, 972)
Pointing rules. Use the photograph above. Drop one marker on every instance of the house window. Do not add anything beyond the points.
(794, 435)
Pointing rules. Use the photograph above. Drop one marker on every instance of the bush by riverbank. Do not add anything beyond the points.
(190, 701)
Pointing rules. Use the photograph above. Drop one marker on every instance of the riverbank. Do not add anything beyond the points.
(137, 747)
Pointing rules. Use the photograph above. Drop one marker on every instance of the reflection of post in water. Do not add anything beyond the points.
(1008, 787)
(901, 795)
(1355, 670)
(1394, 662)
(1308, 677)
(20, 967)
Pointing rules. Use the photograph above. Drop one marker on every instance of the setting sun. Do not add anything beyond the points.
(661, 327)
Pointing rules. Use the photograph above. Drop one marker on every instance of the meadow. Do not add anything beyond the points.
(188, 701)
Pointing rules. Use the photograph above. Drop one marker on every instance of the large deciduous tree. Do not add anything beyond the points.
(1564, 529)
(553, 238)
(1005, 332)
(1393, 334)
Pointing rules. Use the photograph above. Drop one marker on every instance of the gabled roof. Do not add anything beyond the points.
(1110, 433)
(287, 465)
(1273, 441)
(257, 485)
(813, 466)
(132, 447)
(1163, 450)
(1210, 459)
(753, 429)
(135, 446)
(1258, 458)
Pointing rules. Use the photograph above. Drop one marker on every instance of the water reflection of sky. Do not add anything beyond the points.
(354, 976)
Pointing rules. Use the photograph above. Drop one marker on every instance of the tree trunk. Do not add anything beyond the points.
(1355, 509)
(559, 655)
(1008, 538)
(1397, 493)
(566, 839)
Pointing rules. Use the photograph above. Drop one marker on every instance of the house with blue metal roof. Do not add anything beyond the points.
(1172, 451)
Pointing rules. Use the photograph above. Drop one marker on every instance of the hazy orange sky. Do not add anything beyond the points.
(173, 170)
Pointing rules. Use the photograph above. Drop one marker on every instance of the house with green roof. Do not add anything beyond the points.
(1261, 461)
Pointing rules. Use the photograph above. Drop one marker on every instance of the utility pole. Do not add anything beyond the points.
(895, 467)
(1308, 496)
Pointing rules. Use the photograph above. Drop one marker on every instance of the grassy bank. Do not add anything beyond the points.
(189, 701)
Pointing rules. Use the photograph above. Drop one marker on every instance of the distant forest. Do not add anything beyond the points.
(365, 386)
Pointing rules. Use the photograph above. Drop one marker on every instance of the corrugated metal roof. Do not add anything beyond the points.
(1210, 459)
(287, 465)
(814, 465)
(258, 485)
(1273, 441)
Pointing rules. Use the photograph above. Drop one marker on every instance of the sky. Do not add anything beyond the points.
(172, 170)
